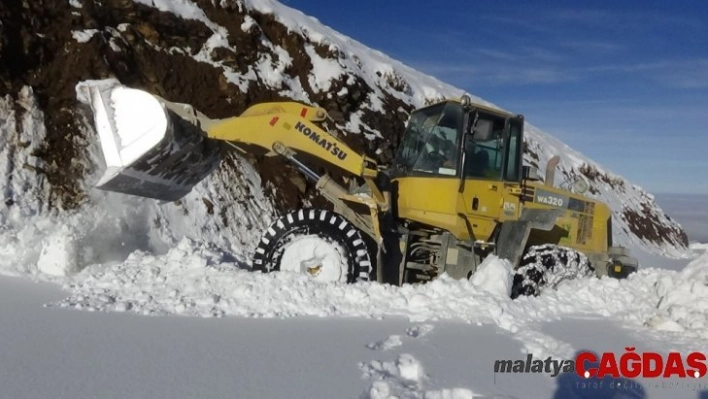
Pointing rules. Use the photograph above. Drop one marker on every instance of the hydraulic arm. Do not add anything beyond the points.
(159, 149)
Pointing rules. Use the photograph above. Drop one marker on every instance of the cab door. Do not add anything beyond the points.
(492, 169)
(425, 171)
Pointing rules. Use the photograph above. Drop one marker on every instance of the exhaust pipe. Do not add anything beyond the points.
(551, 170)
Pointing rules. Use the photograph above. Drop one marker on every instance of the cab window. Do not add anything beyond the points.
(484, 159)
(513, 155)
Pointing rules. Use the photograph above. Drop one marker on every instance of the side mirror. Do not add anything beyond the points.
(483, 130)
(580, 186)
(530, 173)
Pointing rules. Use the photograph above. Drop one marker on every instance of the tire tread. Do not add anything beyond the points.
(326, 224)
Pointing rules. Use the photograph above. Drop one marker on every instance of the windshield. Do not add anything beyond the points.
(431, 140)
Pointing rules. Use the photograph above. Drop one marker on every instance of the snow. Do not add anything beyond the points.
(129, 122)
(389, 343)
(370, 64)
(406, 374)
(684, 299)
(83, 36)
(114, 45)
(64, 354)
(196, 280)
(495, 276)
(699, 248)
(374, 66)
(324, 70)
(419, 330)
(248, 22)
(58, 256)
(182, 8)
(272, 72)
(49, 352)
(315, 257)
(355, 123)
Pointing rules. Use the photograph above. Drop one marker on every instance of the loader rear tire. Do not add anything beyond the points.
(315, 224)
(546, 266)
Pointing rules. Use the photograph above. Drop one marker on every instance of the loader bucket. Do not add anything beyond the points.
(151, 148)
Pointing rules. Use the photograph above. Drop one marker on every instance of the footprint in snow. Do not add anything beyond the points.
(395, 340)
(419, 331)
(388, 343)
(405, 378)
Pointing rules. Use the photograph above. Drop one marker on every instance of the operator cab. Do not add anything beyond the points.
(449, 139)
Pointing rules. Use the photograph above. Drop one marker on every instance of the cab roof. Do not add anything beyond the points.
(486, 108)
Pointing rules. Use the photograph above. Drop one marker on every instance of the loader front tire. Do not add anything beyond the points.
(546, 266)
(316, 242)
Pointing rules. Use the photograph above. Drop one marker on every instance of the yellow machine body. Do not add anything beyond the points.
(437, 202)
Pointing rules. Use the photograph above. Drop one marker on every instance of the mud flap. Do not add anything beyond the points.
(513, 235)
(150, 151)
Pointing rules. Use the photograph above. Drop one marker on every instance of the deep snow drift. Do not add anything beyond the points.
(193, 280)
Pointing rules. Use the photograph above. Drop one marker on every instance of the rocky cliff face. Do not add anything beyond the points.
(222, 56)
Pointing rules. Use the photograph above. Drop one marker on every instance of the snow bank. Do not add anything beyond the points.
(699, 248)
(683, 299)
(198, 280)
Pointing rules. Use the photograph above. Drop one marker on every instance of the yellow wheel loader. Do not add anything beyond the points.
(456, 192)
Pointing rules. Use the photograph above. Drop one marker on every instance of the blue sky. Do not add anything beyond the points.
(624, 82)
